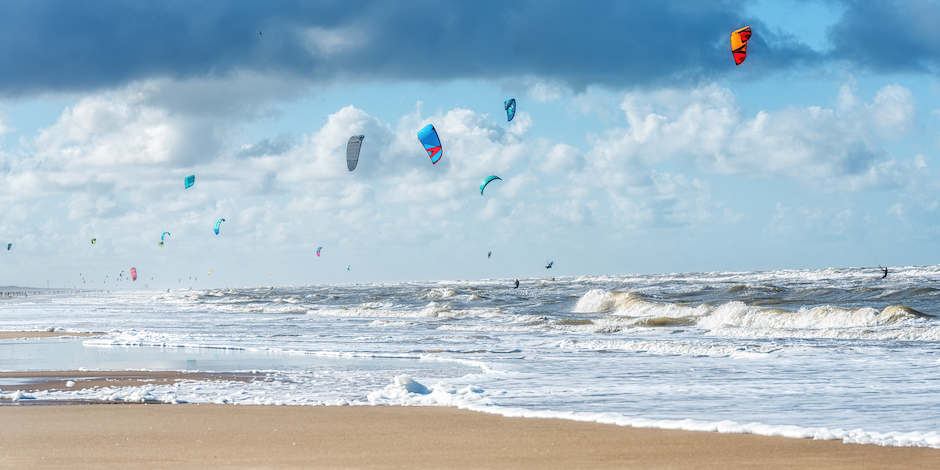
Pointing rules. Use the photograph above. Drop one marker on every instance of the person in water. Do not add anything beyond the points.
(517, 284)
(886, 272)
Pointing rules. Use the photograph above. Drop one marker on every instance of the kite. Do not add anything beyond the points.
(160, 244)
(486, 181)
(9, 245)
(347, 267)
(352, 151)
(210, 272)
(134, 273)
(318, 251)
(93, 240)
(739, 44)
(217, 223)
(164, 234)
(510, 106)
(189, 181)
(432, 143)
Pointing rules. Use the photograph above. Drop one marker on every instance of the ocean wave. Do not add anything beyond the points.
(688, 348)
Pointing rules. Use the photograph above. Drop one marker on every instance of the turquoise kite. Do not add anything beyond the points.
(189, 181)
(318, 251)
(217, 224)
(510, 106)
(486, 181)
(432, 143)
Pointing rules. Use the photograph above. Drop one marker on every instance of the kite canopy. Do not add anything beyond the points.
(93, 240)
(160, 244)
(217, 224)
(510, 106)
(318, 251)
(189, 181)
(134, 274)
(9, 245)
(164, 234)
(432, 143)
(352, 151)
(347, 267)
(486, 181)
(739, 44)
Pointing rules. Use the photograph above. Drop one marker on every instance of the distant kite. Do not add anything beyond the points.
(739, 44)
(510, 106)
(94, 240)
(189, 181)
(9, 245)
(217, 223)
(352, 151)
(134, 273)
(347, 267)
(318, 251)
(486, 181)
(432, 143)
(161, 238)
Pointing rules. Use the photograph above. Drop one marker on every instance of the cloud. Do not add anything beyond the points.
(707, 126)
(551, 45)
(897, 36)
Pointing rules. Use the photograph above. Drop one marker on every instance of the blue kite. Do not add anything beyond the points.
(432, 143)
(189, 181)
(510, 106)
(487, 181)
(217, 224)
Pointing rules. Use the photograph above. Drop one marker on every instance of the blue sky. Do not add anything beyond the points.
(638, 146)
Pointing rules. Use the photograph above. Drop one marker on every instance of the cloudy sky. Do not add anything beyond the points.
(638, 145)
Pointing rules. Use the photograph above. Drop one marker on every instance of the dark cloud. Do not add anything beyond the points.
(889, 36)
(82, 45)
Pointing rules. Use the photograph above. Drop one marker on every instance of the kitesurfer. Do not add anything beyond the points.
(549, 265)
(886, 272)
(517, 284)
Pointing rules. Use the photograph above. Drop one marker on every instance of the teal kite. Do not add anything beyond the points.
(217, 224)
(486, 181)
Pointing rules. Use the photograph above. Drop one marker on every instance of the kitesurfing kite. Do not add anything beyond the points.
(489, 255)
(347, 267)
(352, 151)
(93, 240)
(189, 181)
(549, 265)
(9, 245)
(210, 272)
(510, 106)
(134, 273)
(318, 251)
(432, 143)
(217, 223)
(486, 181)
(161, 238)
(739, 44)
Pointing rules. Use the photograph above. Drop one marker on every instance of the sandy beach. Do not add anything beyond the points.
(227, 436)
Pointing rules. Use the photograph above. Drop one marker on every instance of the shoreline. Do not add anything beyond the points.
(231, 436)
(43, 334)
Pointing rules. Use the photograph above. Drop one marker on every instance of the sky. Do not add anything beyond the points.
(637, 147)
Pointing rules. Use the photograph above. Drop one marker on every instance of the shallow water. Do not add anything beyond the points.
(814, 352)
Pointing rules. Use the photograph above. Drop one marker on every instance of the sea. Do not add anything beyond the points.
(826, 354)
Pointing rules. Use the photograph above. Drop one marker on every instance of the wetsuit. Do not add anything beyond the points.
(517, 284)
(886, 273)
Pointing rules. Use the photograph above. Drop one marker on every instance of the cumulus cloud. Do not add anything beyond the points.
(708, 127)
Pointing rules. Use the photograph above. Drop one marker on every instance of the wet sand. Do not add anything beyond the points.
(42, 334)
(230, 436)
(58, 380)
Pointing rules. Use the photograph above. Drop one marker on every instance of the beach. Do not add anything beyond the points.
(233, 436)
(655, 371)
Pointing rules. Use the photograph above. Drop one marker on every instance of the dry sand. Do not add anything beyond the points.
(230, 436)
